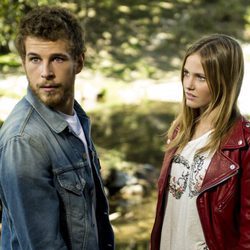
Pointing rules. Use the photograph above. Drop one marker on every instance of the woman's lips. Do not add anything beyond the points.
(190, 96)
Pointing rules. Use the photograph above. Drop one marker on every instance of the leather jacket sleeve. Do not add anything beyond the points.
(244, 242)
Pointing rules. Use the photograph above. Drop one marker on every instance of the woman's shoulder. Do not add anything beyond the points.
(242, 128)
(246, 127)
(172, 132)
(243, 122)
(238, 135)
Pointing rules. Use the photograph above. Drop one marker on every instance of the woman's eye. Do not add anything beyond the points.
(201, 78)
(185, 73)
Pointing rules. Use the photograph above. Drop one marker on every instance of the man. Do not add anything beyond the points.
(50, 184)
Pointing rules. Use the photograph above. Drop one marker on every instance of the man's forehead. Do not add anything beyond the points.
(36, 45)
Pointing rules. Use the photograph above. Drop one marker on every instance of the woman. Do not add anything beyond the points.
(204, 185)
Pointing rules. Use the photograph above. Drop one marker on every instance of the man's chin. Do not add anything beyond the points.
(50, 101)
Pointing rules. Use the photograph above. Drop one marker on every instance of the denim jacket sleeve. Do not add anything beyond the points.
(32, 214)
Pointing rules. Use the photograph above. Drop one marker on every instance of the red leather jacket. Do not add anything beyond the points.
(224, 200)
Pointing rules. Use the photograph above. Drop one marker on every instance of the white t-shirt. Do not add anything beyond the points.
(75, 125)
(181, 228)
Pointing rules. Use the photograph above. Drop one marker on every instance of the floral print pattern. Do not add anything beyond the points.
(191, 176)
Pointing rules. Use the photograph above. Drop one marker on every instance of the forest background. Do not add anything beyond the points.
(134, 53)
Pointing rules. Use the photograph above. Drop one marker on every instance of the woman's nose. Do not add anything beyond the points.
(189, 82)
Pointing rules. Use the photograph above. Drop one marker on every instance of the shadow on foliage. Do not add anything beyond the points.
(139, 38)
(137, 131)
(153, 35)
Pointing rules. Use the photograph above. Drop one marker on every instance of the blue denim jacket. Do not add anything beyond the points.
(46, 183)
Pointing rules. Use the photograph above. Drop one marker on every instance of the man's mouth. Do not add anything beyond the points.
(49, 87)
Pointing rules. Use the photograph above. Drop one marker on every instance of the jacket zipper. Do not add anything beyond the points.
(216, 184)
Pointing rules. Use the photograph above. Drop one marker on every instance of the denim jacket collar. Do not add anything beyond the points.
(52, 118)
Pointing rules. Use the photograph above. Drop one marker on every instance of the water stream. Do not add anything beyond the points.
(133, 227)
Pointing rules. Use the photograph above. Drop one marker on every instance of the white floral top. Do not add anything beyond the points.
(181, 225)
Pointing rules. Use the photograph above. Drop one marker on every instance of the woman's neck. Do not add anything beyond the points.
(203, 126)
(201, 129)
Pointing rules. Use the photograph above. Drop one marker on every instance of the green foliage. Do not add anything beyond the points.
(137, 132)
(147, 38)
(138, 38)
(9, 62)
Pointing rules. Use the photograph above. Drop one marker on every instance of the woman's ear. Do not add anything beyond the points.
(79, 63)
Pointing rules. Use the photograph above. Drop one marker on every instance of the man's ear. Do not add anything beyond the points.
(23, 62)
(80, 63)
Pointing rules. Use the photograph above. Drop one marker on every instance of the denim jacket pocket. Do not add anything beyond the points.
(71, 182)
(71, 186)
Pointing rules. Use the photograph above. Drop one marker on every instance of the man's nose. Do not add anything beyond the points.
(47, 71)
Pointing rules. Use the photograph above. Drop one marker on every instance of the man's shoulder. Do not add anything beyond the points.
(19, 120)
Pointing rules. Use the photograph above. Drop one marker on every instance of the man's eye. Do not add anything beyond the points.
(34, 59)
(58, 59)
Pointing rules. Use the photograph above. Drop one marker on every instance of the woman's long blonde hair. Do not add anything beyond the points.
(223, 65)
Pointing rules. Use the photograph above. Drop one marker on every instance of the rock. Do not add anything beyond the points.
(129, 191)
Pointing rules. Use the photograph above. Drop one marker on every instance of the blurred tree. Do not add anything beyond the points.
(138, 38)
(10, 13)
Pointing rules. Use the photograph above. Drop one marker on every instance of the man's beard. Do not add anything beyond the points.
(55, 98)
